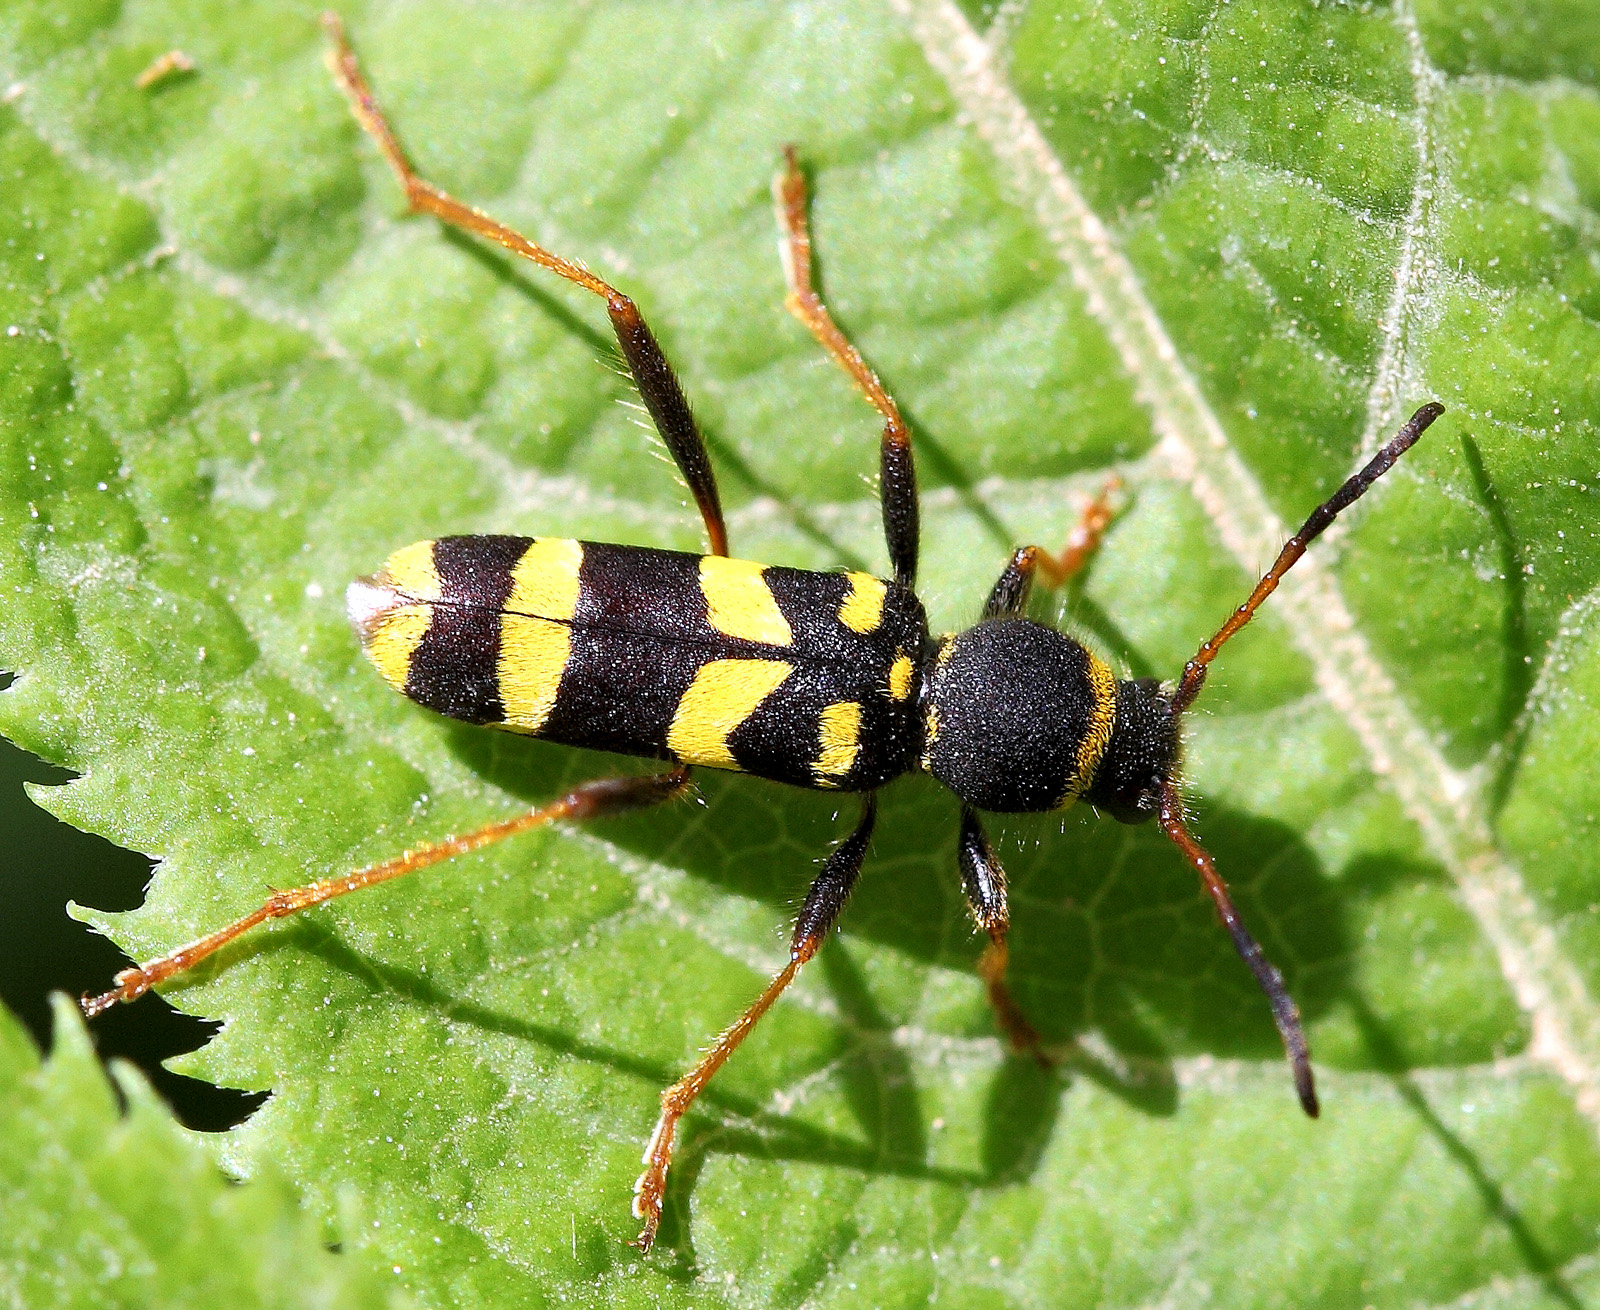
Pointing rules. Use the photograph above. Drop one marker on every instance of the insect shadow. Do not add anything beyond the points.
(1116, 957)
(1388, 1057)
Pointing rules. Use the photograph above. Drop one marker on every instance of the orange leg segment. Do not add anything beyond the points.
(1009, 598)
(1008, 1015)
(983, 879)
(897, 473)
(1083, 540)
(822, 906)
(658, 385)
(591, 800)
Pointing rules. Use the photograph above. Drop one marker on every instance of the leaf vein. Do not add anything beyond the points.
(1445, 804)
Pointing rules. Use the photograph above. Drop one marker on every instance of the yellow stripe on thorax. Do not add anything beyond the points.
(862, 608)
(739, 603)
(1097, 732)
(723, 695)
(839, 739)
(930, 722)
(544, 582)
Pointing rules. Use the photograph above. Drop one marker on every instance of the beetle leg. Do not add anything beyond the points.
(822, 906)
(1009, 598)
(897, 474)
(984, 882)
(592, 800)
(658, 385)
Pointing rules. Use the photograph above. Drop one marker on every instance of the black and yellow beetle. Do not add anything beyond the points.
(823, 680)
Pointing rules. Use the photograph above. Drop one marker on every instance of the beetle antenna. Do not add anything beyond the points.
(1284, 1011)
(1194, 672)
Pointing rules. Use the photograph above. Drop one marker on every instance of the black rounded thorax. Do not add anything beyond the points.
(1007, 705)
(1018, 717)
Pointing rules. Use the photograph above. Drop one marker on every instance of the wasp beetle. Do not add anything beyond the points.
(822, 680)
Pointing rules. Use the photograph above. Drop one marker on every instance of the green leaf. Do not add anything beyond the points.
(123, 1208)
(1218, 252)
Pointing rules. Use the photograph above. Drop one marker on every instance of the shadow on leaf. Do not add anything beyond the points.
(1388, 1057)
(1116, 956)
